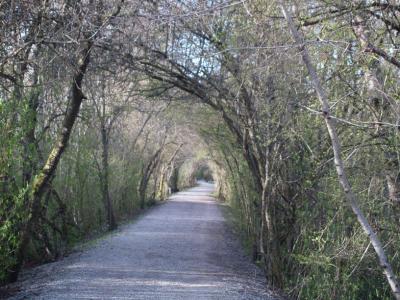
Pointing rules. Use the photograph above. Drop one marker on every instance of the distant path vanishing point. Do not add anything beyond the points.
(182, 249)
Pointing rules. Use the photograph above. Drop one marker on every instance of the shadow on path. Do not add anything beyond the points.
(180, 250)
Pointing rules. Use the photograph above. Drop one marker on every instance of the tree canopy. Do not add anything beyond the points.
(291, 107)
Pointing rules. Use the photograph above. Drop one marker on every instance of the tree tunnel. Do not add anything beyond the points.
(107, 107)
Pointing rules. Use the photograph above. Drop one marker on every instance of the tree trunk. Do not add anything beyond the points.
(343, 179)
(142, 192)
(111, 222)
(380, 103)
(166, 174)
(173, 179)
(271, 256)
(29, 141)
(43, 179)
(146, 174)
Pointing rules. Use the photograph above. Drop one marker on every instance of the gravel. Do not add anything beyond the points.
(182, 249)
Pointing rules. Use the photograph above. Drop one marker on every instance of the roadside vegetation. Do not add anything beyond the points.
(290, 107)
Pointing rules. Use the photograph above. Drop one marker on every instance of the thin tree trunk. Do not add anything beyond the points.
(29, 141)
(367, 46)
(164, 174)
(379, 100)
(146, 174)
(271, 256)
(43, 179)
(343, 179)
(111, 222)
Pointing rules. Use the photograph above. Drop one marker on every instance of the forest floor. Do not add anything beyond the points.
(183, 249)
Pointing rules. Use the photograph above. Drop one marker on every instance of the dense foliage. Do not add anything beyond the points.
(150, 95)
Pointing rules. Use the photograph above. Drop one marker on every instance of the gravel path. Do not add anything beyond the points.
(182, 249)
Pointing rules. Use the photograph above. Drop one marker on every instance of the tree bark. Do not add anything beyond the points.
(343, 179)
(381, 102)
(271, 256)
(43, 179)
(367, 46)
(146, 174)
(166, 174)
(111, 222)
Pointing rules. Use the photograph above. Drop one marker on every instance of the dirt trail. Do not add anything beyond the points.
(182, 249)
